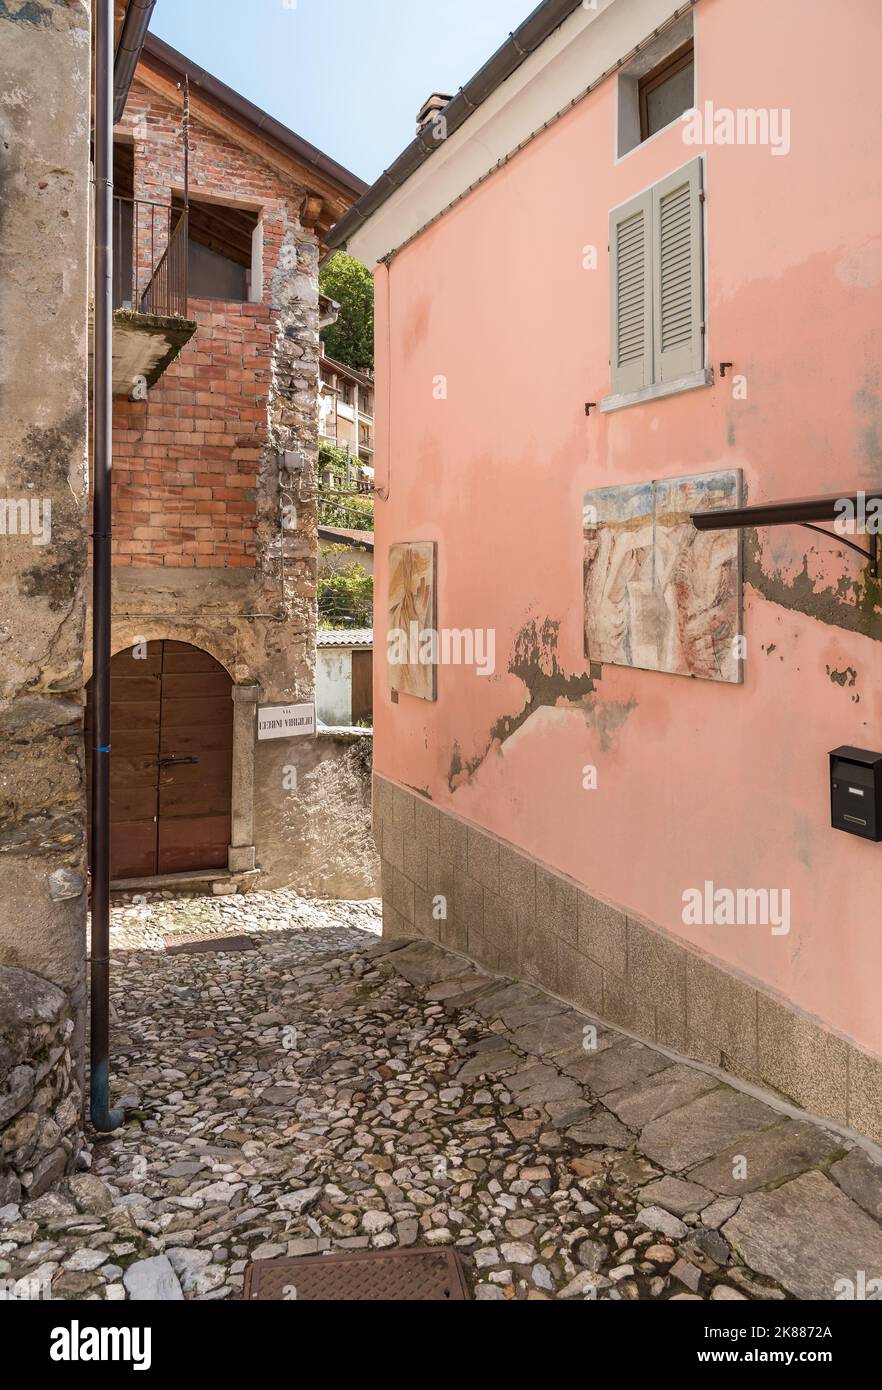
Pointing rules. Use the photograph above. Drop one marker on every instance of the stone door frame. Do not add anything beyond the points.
(246, 698)
(246, 695)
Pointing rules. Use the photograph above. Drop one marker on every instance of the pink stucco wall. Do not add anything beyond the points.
(696, 780)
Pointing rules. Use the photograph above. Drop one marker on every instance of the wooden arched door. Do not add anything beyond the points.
(171, 738)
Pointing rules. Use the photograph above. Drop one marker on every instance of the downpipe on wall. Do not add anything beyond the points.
(103, 1118)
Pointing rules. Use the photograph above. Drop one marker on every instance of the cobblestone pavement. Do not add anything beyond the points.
(331, 1091)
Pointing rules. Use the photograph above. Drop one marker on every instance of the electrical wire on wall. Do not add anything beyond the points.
(383, 492)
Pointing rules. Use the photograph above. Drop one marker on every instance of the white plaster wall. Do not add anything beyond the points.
(333, 686)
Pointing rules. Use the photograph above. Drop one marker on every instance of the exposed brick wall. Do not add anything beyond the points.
(187, 460)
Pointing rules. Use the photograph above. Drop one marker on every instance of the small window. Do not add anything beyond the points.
(657, 86)
(667, 91)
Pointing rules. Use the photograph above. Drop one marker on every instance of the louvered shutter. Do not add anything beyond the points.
(677, 266)
(630, 234)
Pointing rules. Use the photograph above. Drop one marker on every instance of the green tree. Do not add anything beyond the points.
(346, 597)
(351, 339)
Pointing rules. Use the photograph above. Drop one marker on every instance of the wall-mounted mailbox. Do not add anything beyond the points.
(856, 792)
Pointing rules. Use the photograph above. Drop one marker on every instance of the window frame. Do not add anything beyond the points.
(656, 383)
(209, 198)
(675, 62)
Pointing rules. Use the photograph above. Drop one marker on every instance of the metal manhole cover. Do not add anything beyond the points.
(400, 1276)
(192, 943)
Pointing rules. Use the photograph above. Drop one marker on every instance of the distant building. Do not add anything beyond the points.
(346, 415)
(344, 672)
(340, 546)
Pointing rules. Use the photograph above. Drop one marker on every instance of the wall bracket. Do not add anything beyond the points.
(803, 511)
(871, 553)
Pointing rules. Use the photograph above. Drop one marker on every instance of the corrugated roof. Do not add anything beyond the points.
(364, 378)
(347, 536)
(345, 637)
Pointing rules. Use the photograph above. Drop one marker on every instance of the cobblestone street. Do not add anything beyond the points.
(327, 1090)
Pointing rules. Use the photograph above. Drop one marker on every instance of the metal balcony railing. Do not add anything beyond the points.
(150, 257)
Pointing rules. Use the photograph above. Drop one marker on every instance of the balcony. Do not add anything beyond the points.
(150, 311)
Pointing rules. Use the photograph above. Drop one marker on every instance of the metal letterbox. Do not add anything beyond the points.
(856, 792)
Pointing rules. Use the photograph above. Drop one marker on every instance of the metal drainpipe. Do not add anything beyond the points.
(131, 41)
(103, 1118)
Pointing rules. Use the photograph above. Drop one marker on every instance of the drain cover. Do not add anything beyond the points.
(192, 943)
(400, 1276)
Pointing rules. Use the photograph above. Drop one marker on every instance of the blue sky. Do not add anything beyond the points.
(348, 75)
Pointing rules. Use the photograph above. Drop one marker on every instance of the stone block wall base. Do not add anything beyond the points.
(240, 859)
(39, 1094)
(448, 881)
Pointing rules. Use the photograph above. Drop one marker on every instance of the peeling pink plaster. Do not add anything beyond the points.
(699, 781)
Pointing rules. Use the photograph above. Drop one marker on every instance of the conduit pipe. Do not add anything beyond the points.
(103, 1118)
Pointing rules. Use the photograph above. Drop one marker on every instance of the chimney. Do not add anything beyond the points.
(430, 108)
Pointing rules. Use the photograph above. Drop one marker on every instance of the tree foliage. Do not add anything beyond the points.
(346, 597)
(351, 339)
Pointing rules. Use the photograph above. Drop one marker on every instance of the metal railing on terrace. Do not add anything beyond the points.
(150, 257)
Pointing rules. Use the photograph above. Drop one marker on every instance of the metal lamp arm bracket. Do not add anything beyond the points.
(871, 554)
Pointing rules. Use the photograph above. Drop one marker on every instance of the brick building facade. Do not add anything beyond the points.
(215, 537)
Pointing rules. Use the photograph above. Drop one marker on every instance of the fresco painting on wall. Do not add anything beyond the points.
(411, 638)
(660, 595)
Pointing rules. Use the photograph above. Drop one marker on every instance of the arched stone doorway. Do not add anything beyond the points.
(171, 760)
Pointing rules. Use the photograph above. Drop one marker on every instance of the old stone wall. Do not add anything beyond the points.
(44, 259)
(40, 1095)
(316, 836)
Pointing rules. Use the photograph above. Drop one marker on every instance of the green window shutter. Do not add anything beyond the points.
(630, 233)
(678, 275)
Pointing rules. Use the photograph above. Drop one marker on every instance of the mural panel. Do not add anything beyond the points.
(411, 638)
(658, 594)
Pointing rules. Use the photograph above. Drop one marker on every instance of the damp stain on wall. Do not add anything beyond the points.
(854, 605)
(846, 677)
(606, 719)
(868, 410)
(28, 13)
(534, 661)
